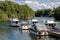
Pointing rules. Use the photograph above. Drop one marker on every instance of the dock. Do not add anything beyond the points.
(55, 32)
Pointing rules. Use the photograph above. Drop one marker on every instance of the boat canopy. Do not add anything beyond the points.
(15, 19)
(34, 20)
(49, 22)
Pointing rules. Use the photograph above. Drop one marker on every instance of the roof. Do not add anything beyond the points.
(34, 20)
(14, 19)
(50, 22)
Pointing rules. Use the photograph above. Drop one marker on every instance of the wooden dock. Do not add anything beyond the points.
(55, 32)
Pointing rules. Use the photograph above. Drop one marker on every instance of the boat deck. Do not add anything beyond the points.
(41, 26)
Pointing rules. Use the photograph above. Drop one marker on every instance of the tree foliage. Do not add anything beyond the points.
(12, 9)
(57, 13)
(49, 13)
(43, 12)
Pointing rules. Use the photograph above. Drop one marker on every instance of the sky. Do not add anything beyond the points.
(39, 4)
(41, 1)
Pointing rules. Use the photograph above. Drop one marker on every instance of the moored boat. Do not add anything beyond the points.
(38, 29)
(14, 22)
(52, 29)
(25, 25)
(50, 24)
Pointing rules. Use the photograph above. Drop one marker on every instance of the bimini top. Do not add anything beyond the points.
(34, 20)
(14, 19)
(49, 22)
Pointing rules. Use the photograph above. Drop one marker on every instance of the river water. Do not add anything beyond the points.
(13, 33)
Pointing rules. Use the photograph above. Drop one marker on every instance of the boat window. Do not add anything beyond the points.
(50, 24)
(53, 26)
(46, 24)
(16, 22)
(34, 22)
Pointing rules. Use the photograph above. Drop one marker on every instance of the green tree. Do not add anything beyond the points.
(12, 9)
(57, 13)
(43, 12)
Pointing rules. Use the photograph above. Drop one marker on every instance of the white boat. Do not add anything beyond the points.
(53, 30)
(38, 29)
(50, 24)
(34, 21)
(25, 25)
(14, 22)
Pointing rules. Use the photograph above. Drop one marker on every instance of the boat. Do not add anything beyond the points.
(25, 25)
(52, 29)
(14, 22)
(38, 29)
(34, 21)
(50, 24)
(55, 32)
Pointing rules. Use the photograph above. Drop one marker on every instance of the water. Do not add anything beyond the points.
(16, 34)
(13, 33)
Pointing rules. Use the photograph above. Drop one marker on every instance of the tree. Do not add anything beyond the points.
(57, 13)
(43, 12)
(12, 9)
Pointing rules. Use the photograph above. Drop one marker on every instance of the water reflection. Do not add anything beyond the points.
(25, 35)
(9, 34)
(4, 34)
(33, 37)
(16, 34)
(13, 33)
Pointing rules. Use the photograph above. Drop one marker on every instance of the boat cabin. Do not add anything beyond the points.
(50, 23)
(24, 26)
(14, 22)
(34, 21)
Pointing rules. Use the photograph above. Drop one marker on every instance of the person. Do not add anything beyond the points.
(34, 26)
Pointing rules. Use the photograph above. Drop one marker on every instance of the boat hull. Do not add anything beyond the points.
(14, 25)
(38, 33)
(54, 34)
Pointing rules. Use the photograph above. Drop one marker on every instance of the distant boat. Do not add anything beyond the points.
(34, 21)
(14, 22)
(53, 30)
(25, 25)
(50, 24)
